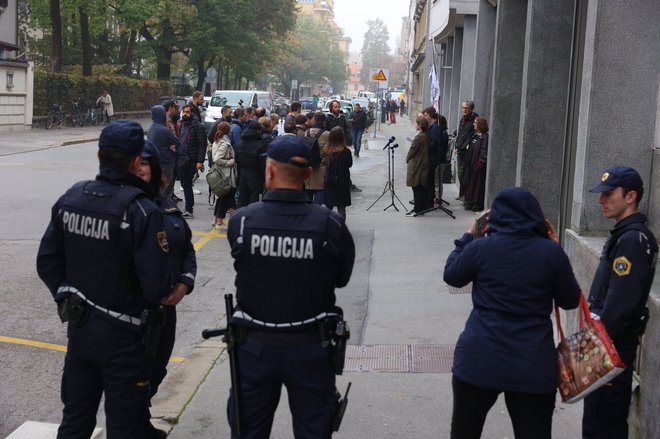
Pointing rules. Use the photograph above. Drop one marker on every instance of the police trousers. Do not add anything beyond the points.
(309, 378)
(103, 357)
(606, 410)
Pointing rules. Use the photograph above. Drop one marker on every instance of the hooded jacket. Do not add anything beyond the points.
(516, 274)
(161, 136)
(251, 148)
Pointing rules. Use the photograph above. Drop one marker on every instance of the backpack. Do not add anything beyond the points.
(313, 145)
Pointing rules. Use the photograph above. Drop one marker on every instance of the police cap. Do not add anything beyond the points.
(150, 150)
(284, 148)
(126, 135)
(618, 176)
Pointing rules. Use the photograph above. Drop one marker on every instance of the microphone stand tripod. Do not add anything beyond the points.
(389, 186)
(438, 207)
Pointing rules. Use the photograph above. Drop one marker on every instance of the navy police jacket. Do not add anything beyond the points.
(289, 257)
(181, 249)
(624, 276)
(516, 273)
(107, 240)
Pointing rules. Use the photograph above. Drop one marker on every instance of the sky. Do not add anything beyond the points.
(352, 16)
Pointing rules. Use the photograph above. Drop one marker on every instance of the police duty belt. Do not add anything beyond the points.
(242, 315)
(117, 315)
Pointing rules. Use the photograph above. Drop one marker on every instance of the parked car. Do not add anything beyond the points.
(235, 99)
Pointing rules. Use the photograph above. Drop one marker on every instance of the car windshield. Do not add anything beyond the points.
(231, 98)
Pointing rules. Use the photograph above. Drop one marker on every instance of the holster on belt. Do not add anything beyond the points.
(335, 333)
(153, 320)
(73, 309)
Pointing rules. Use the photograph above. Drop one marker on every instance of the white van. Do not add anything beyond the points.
(235, 99)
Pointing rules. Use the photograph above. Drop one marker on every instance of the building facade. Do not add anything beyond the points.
(570, 87)
(16, 75)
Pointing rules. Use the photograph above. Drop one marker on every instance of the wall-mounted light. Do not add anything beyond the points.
(10, 79)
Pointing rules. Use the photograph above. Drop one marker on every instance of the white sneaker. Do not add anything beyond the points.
(196, 191)
(180, 188)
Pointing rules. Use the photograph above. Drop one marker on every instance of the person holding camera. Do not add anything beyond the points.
(507, 346)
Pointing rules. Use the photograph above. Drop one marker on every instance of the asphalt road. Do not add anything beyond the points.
(31, 182)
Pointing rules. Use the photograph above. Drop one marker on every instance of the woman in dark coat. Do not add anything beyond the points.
(507, 344)
(417, 164)
(476, 158)
(338, 161)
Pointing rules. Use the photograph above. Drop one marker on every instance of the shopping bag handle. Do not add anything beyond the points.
(585, 315)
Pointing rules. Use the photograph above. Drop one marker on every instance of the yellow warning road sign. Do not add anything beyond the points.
(379, 76)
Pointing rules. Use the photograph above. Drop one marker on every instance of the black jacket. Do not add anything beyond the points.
(465, 132)
(289, 256)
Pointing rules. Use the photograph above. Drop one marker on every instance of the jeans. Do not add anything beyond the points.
(357, 140)
(186, 172)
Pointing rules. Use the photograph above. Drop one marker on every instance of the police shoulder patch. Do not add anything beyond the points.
(621, 266)
(162, 241)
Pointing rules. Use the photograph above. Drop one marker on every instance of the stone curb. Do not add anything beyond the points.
(182, 384)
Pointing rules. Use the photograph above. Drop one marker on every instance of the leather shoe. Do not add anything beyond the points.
(151, 432)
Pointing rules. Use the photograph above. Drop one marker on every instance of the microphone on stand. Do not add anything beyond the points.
(391, 139)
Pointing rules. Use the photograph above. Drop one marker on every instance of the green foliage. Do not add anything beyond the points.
(128, 94)
(374, 47)
(310, 55)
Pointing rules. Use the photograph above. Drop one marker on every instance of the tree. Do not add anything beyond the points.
(374, 47)
(310, 56)
(56, 35)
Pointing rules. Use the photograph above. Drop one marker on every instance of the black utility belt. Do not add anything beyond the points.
(84, 301)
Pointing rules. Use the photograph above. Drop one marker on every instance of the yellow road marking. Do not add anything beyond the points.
(56, 347)
(206, 237)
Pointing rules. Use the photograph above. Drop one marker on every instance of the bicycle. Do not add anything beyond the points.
(93, 115)
(55, 116)
(77, 115)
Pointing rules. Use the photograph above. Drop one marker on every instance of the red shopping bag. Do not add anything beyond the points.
(587, 359)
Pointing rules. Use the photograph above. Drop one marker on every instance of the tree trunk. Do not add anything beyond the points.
(86, 41)
(201, 75)
(226, 77)
(56, 38)
(163, 54)
(128, 55)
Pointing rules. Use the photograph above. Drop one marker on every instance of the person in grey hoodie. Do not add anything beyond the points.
(167, 144)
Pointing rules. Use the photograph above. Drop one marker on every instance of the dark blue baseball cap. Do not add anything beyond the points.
(150, 150)
(290, 149)
(618, 176)
(123, 134)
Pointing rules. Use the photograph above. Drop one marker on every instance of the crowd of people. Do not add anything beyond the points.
(117, 257)
(237, 142)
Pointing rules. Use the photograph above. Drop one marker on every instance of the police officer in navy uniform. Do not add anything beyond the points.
(104, 257)
(289, 255)
(184, 269)
(618, 296)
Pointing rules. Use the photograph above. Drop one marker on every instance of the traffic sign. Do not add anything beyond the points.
(379, 74)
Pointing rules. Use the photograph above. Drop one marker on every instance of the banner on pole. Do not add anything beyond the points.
(435, 87)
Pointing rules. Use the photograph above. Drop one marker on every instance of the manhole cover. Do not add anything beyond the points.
(399, 358)
(432, 358)
(376, 358)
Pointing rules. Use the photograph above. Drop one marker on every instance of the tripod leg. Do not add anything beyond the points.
(381, 195)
